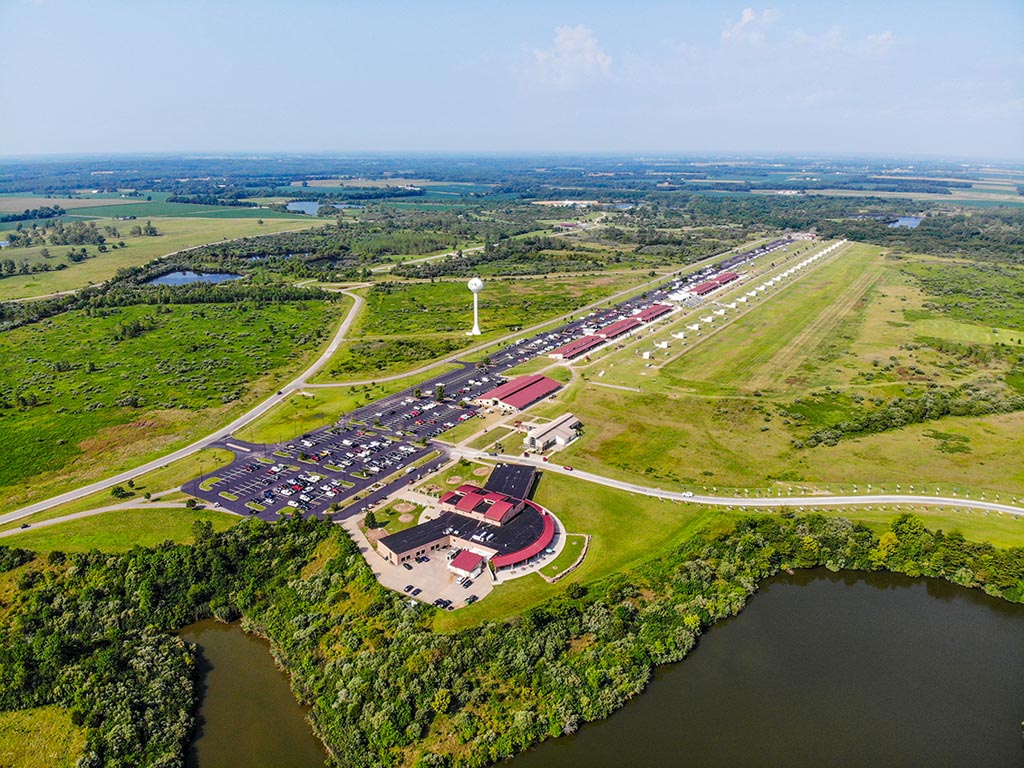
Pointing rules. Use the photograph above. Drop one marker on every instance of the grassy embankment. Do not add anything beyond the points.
(174, 235)
(120, 530)
(100, 400)
(165, 478)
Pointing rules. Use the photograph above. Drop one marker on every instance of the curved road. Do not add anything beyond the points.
(742, 501)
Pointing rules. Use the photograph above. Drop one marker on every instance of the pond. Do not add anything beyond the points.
(830, 669)
(312, 206)
(184, 278)
(248, 717)
(910, 222)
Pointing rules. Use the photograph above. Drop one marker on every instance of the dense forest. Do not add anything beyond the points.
(92, 632)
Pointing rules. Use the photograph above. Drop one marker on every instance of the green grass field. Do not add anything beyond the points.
(120, 530)
(569, 555)
(175, 234)
(95, 402)
(628, 529)
(43, 737)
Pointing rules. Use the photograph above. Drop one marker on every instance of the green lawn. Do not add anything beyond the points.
(43, 737)
(120, 530)
(626, 529)
(569, 555)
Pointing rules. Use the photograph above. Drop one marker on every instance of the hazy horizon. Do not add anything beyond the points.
(914, 80)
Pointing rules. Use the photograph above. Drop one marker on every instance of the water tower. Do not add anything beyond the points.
(476, 285)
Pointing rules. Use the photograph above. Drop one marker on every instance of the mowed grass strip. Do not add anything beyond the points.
(43, 737)
(120, 530)
(747, 350)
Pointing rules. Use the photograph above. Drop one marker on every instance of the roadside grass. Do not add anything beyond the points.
(157, 481)
(175, 234)
(104, 402)
(120, 530)
(496, 435)
(569, 555)
(43, 737)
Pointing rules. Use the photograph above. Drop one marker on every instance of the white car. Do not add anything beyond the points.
(687, 494)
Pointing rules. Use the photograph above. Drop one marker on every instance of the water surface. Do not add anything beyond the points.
(312, 206)
(248, 715)
(910, 222)
(827, 669)
(186, 277)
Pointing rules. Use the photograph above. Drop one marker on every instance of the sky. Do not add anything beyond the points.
(915, 78)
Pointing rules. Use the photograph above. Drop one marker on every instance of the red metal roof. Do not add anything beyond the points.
(726, 277)
(519, 556)
(577, 347)
(447, 498)
(531, 394)
(466, 561)
(499, 510)
(619, 328)
(512, 386)
(707, 287)
(653, 311)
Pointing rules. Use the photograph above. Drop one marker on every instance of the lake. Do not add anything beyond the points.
(248, 715)
(184, 278)
(312, 206)
(826, 669)
(910, 222)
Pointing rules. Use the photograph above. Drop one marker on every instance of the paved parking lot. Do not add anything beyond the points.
(375, 450)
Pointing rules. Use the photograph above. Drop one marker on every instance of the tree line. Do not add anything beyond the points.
(91, 632)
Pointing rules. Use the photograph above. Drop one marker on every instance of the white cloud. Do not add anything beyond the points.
(574, 57)
(880, 44)
(751, 27)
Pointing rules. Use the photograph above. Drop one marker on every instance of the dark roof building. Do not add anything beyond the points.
(512, 480)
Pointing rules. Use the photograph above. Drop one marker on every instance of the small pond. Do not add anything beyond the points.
(248, 717)
(184, 278)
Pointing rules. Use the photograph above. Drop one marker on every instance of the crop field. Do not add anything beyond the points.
(17, 204)
(103, 388)
(707, 420)
(43, 737)
(121, 530)
(174, 235)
